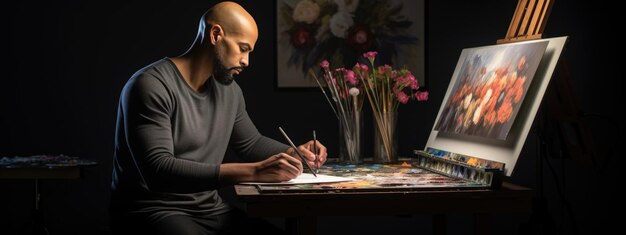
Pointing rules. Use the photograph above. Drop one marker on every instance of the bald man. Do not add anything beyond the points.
(176, 119)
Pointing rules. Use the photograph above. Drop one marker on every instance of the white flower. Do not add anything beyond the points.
(340, 23)
(347, 5)
(306, 11)
(354, 91)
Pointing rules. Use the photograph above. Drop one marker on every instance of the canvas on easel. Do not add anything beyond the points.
(526, 28)
(489, 89)
(504, 151)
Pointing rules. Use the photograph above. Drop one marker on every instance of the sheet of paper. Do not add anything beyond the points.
(306, 178)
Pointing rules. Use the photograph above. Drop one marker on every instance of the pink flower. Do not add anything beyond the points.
(350, 76)
(362, 67)
(384, 70)
(401, 96)
(387, 87)
(412, 81)
(421, 95)
(370, 55)
(404, 81)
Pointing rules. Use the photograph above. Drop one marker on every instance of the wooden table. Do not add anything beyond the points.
(302, 209)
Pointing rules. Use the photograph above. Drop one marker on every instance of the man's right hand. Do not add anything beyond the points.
(277, 168)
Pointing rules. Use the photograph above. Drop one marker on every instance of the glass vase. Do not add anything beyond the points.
(350, 130)
(385, 141)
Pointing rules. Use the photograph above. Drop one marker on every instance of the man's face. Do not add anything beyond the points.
(231, 57)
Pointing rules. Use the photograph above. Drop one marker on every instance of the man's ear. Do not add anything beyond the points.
(216, 33)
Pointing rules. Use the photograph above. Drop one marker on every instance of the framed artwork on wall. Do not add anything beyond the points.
(341, 31)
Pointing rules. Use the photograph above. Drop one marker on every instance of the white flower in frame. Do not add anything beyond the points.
(340, 23)
(306, 11)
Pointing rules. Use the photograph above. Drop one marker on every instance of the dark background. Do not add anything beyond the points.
(66, 62)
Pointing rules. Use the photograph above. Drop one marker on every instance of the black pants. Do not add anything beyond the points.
(232, 223)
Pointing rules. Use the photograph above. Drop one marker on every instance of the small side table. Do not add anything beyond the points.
(41, 167)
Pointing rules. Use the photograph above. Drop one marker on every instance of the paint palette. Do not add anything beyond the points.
(374, 177)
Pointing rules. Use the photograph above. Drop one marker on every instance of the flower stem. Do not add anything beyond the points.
(324, 92)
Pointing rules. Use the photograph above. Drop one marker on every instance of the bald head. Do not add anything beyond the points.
(226, 36)
(233, 19)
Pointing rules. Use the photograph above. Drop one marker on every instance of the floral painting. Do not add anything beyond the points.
(491, 83)
(340, 31)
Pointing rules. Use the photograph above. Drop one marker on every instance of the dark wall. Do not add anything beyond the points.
(67, 62)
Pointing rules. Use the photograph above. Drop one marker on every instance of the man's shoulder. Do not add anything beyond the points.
(160, 69)
(152, 78)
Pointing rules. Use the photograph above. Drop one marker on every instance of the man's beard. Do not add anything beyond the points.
(222, 74)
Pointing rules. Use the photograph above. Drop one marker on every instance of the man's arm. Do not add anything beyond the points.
(147, 106)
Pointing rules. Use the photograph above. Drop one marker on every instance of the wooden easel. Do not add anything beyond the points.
(565, 119)
(528, 21)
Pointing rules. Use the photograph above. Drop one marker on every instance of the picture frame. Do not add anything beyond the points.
(308, 32)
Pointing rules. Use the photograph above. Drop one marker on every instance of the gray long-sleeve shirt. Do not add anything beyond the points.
(170, 141)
